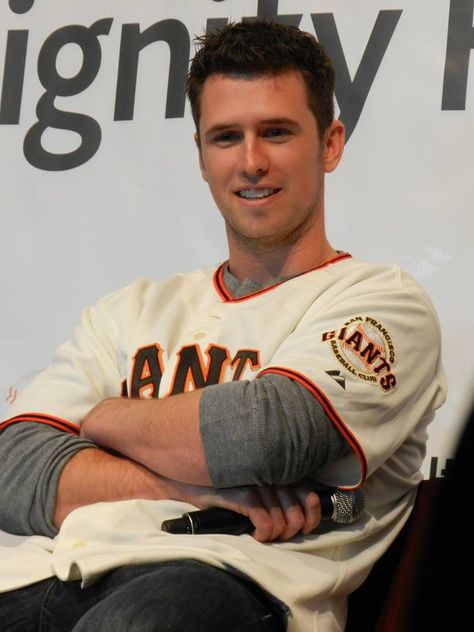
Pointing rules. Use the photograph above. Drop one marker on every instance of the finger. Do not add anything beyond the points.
(248, 501)
(293, 512)
(258, 505)
(311, 506)
(269, 515)
(263, 524)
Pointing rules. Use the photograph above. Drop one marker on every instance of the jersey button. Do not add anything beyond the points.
(199, 335)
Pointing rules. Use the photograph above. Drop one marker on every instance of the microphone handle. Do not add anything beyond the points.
(227, 521)
(220, 520)
(212, 520)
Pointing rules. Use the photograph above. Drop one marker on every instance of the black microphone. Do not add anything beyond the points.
(337, 505)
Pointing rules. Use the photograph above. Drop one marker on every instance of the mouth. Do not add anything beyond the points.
(256, 194)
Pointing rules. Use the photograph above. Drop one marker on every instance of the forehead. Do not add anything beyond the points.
(246, 99)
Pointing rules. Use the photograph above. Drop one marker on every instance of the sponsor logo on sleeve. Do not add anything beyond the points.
(365, 348)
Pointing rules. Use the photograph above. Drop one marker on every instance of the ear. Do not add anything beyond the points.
(201, 161)
(334, 139)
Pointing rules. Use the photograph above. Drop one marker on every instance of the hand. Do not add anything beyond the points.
(278, 512)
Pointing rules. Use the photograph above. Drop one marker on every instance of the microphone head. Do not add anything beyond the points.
(348, 505)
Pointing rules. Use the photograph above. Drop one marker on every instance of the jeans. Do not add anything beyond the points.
(184, 596)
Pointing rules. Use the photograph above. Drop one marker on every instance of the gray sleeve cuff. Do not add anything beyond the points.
(265, 432)
(33, 457)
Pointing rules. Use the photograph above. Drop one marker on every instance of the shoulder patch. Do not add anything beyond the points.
(365, 348)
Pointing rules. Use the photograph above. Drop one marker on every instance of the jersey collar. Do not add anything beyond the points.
(226, 297)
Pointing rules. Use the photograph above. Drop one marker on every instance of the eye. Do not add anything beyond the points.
(226, 138)
(277, 133)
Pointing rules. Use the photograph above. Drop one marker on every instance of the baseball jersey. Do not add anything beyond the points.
(362, 338)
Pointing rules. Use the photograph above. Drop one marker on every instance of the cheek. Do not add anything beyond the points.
(297, 162)
(218, 170)
(307, 172)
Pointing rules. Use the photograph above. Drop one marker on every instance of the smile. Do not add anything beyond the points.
(256, 194)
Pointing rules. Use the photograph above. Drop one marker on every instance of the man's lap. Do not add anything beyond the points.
(183, 595)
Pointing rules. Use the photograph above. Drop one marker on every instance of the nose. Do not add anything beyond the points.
(254, 160)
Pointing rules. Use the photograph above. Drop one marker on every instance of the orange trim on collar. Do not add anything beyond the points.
(224, 294)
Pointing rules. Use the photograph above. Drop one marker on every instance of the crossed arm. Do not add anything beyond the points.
(161, 434)
(258, 437)
(153, 449)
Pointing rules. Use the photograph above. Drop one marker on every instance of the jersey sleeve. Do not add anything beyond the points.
(371, 357)
(84, 371)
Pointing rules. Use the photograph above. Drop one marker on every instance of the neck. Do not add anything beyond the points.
(273, 264)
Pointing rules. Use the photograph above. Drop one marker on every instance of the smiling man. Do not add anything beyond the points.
(248, 386)
(265, 167)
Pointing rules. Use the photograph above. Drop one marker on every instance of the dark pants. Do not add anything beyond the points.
(184, 596)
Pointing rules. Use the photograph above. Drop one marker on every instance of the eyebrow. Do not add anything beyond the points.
(220, 127)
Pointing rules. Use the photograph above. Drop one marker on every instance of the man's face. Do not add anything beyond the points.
(261, 155)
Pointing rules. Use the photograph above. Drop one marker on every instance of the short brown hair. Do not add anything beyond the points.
(262, 47)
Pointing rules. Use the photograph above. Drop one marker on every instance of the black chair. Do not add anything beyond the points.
(384, 601)
(424, 581)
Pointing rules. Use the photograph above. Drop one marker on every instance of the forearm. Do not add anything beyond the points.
(93, 475)
(47, 473)
(161, 434)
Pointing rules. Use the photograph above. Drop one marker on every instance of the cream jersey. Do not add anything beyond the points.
(362, 338)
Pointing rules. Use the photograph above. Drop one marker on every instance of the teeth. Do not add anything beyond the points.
(256, 193)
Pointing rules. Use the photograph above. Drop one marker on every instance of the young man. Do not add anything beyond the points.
(243, 386)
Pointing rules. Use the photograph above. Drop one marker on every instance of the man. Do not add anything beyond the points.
(243, 386)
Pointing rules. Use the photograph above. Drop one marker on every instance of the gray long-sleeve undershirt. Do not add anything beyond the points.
(266, 431)
(32, 457)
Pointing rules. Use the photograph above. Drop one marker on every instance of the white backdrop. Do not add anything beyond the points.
(136, 205)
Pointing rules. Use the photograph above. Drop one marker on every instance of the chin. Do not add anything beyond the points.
(258, 241)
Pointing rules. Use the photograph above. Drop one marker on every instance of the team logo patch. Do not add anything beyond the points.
(365, 348)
